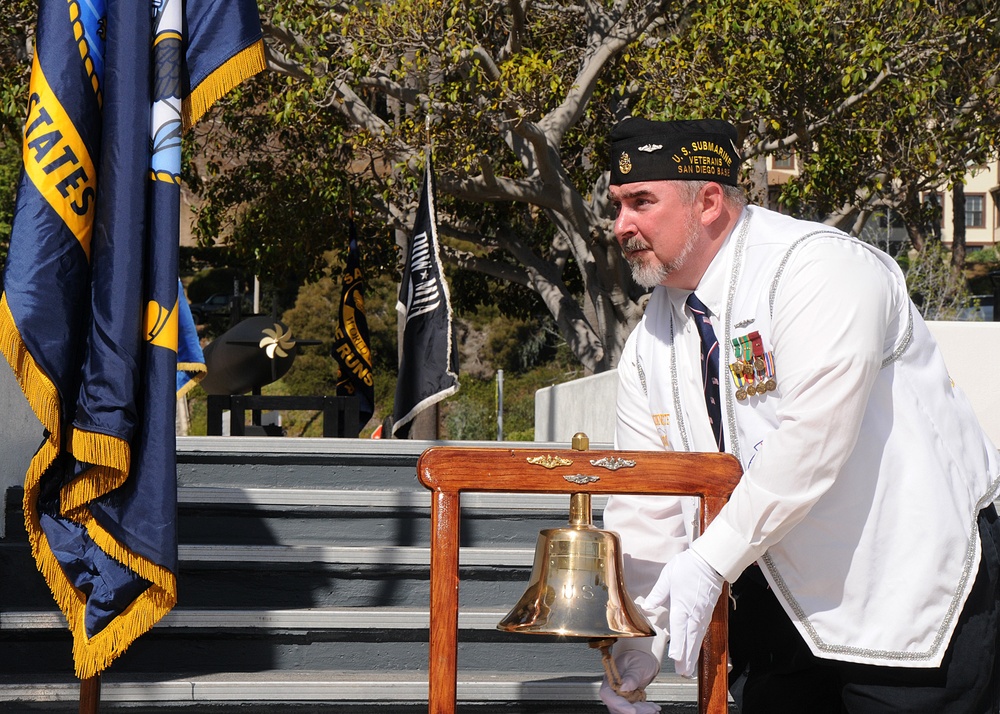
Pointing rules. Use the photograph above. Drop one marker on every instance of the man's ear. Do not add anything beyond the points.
(711, 200)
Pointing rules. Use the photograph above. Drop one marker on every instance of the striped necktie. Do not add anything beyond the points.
(709, 366)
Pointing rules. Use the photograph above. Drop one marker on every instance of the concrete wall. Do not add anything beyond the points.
(971, 351)
(20, 436)
(586, 404)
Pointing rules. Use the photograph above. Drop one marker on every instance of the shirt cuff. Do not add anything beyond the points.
(725, 550)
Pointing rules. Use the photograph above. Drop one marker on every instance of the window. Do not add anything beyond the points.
(783, 162)
(975, 214)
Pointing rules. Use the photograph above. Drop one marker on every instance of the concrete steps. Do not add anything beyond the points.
(304, 586)
(339, 690)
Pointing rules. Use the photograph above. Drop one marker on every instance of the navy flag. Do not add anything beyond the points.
(351, 348)
(89, 314)
(428, 366)
(191, 367)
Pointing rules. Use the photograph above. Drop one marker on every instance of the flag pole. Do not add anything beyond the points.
(90, 694)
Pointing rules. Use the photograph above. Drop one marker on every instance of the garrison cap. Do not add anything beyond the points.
(685, 150)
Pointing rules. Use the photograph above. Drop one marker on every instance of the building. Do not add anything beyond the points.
(982, 206)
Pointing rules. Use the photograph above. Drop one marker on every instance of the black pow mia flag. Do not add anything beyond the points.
(428, 366)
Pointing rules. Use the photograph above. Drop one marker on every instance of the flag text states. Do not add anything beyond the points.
(58, 162)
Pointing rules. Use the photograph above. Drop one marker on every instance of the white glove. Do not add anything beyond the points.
(637, 669)
(689, 587)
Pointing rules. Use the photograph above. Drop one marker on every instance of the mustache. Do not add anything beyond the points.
(633, 244)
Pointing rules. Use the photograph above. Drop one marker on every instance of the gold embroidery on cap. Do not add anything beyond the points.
(624, 163)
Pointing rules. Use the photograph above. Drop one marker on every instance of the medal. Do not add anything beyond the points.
(757, 347)
(772, 381)
(746, 356)
(736, 368)
(753, 367)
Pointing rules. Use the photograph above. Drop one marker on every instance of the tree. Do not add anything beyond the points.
(16, 47)
(16, 44)
(881, 100)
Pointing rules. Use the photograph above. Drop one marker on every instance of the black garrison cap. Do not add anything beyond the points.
(686, 150)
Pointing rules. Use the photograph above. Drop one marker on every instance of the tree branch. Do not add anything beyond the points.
(516, 37)
(494, 268)
(602, 49)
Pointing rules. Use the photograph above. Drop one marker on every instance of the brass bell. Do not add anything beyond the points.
(576, 587)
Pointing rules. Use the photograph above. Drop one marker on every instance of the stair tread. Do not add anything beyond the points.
(380, 555)
(383, 618)
(301, 553)
(416, 498)
(320, 685)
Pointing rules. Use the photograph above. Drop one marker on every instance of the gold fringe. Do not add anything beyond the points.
(44, 400)
(67, 597)
(91, 655)
(37, 387)
(159, 576)
(199, 369)
(111, 457)
(94, 654)
(241, 66)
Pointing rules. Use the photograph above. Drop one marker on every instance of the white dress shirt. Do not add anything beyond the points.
(864, 465)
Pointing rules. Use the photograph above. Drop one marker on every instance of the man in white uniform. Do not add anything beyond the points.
(861, 542)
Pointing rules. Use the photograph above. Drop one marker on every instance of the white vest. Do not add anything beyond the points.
(880, 567)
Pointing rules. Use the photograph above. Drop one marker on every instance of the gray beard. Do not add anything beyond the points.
(648, 273)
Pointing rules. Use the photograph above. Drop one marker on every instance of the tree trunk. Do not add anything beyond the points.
(958, 238)
(916, 233)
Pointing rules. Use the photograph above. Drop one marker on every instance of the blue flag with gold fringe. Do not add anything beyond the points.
(89, 314)
(191, 367)
(351, 346)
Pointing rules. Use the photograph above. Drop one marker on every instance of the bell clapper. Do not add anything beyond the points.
(611, 671)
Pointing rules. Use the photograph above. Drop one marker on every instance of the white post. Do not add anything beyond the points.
(499, 405)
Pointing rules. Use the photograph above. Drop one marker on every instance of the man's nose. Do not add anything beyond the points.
(624, 226)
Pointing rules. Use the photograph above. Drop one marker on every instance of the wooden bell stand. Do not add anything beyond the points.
(450, 470)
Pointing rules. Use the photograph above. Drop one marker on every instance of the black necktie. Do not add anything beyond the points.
(709, 366)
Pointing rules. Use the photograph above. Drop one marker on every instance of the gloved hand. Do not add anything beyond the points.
(637, 669)
(689, 587)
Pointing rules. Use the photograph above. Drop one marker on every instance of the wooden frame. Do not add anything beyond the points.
(450, 470)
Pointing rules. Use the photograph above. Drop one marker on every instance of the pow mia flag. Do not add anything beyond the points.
(428, 366)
